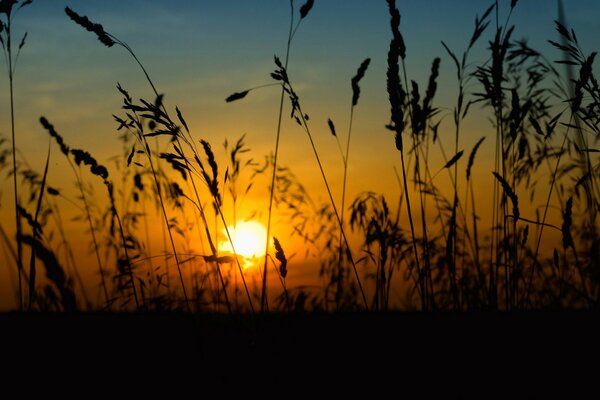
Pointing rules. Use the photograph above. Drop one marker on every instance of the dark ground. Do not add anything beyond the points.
(346, 350)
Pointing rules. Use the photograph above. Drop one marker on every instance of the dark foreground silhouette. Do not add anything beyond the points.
(314, 349)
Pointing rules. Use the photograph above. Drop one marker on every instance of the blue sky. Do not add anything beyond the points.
(216, 46)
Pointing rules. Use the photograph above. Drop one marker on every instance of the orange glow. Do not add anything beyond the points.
(249, 240)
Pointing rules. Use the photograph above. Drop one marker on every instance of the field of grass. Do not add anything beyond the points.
(525, 239)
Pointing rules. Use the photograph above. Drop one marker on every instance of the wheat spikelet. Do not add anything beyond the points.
(90, 26)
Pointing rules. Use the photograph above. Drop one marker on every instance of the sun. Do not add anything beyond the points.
(249, 239)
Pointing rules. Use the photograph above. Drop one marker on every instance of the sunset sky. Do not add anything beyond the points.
(199, 52)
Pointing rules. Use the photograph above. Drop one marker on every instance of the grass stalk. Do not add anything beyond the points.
(10, 63)
(109, 188)
(79, 183)
(345, 156)
(545, 214)
(109, 40)
(342, 209)
(335, 210)
(264, 292)
(36, 233)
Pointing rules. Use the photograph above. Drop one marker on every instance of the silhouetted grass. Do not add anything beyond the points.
(436, 250)
(6, 40)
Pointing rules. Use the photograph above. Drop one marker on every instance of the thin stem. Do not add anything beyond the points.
(236, 259)
(166, 218)
(129, 266)
(343, 207)
(412, 232)
(92, 231)
(211, 244)
(37, 232)
(335, 210)
(546, 207)
(503, 204)
(493, 293)
(14, 159)
(263, 295)
(421, 274)
(476, 240)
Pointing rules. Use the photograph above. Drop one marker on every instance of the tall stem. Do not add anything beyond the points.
(422, 274)
(164, 212)
(546, 206)
(263, 295)
(335, 210)
(412, 232)
(14, 159)
(342, 208)
(93, 233)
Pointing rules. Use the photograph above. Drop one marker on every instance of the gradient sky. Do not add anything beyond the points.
(199, 52)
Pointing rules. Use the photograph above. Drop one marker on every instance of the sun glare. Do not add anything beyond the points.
(249, 239)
